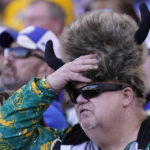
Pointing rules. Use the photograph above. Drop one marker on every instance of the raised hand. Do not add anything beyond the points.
(71, 71)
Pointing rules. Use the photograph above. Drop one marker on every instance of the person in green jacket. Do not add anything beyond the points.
(103, 74)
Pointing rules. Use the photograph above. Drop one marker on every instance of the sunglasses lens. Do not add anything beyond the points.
(93, 90)
(21, 52)
(87, 92)
(90, 91)
(18, 52)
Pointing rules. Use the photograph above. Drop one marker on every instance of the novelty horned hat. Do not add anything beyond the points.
(117, 41)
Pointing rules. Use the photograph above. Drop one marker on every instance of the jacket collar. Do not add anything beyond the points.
(74, 136)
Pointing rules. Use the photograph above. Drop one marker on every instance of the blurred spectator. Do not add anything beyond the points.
(16, 65)
(79, 6)
(50, 16)
(13, 15)
(120, 6)
(53, 15)
(3, 4)
(24, 59)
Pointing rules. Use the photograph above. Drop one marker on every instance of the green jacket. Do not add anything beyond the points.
(19, 122)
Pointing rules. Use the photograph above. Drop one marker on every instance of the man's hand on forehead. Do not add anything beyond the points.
(71, 71)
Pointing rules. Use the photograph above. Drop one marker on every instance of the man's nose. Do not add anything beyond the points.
(81, 100)
(9, 58)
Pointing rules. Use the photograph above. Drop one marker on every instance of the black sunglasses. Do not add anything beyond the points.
(93, 90)
(20, 52)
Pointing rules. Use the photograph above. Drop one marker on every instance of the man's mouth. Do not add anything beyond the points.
(83, 111)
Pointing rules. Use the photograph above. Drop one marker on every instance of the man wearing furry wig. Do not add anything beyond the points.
(103, 74)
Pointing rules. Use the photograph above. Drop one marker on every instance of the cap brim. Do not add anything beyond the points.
(7, 37)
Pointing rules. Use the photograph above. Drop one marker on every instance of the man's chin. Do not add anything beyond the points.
(88, 125)
(9, 83)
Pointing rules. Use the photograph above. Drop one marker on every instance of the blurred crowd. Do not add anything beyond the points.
(25, 28)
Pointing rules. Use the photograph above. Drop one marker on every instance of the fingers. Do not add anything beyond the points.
(82, 68)
(87, 59)
(87, 56)
(71, 71)
(78, 77)
(81, 64)
(91, 61)
(84, 63)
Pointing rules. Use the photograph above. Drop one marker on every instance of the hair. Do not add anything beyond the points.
(55, 11)
(111, 37)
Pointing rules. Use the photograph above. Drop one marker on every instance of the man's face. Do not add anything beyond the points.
(18, 71)
(39, 15)
(100, 111)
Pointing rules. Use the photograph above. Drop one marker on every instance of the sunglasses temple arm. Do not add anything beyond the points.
(38, 56)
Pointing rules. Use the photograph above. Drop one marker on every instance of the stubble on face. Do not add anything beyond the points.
(16, 75)
(88, 126)
(87, 119)
(8, 77)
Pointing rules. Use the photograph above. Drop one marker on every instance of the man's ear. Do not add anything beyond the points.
(44, 70)
(128, 96)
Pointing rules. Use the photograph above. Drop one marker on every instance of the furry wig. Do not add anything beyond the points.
(111, 36)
